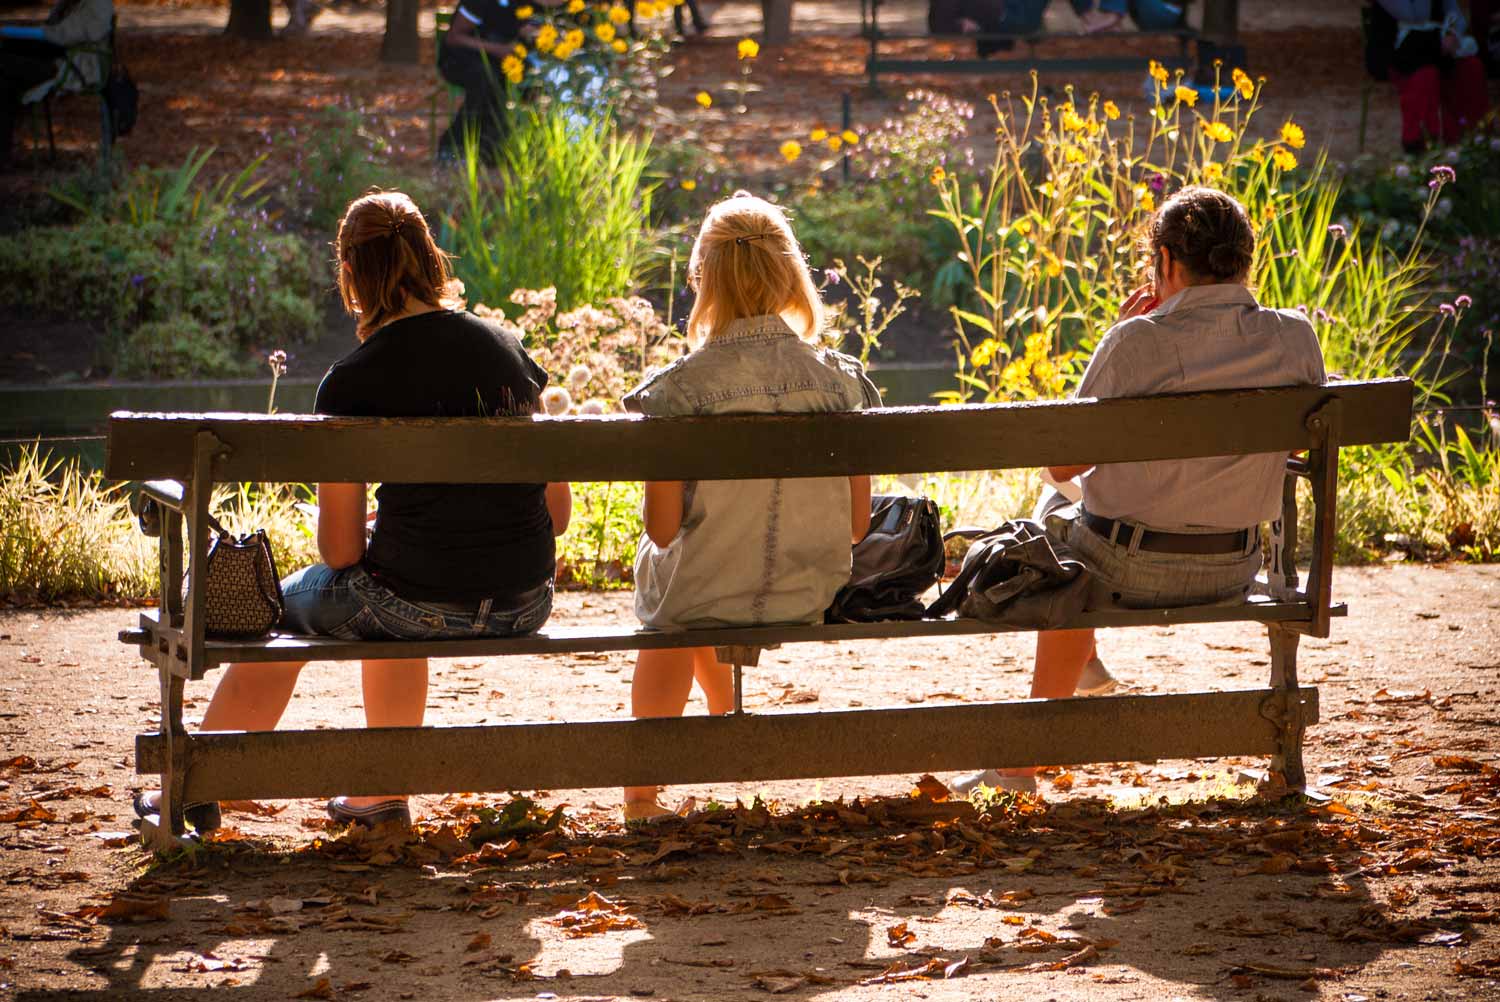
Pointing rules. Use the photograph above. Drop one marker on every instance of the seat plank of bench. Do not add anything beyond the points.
(736, 748)
(299, 448)
(577, 639)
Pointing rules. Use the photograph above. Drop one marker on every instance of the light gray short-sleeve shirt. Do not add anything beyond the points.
(751, 551)
(1207, 337)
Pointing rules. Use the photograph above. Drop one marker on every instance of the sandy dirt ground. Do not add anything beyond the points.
(1163, 881)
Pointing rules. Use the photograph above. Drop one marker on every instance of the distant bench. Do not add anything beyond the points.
(1222, 15)
(199, 450)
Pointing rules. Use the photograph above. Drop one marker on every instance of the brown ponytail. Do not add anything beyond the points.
(387, 258)
(1207, 231)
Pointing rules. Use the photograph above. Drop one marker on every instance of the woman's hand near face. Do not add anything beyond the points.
(1140, 302)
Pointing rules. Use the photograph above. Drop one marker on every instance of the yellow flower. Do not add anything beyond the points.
(1111, 110)
(791, 149)
(1219, 132)
(518, 50)
(984, 353)
(513, 69)
(1268, 213)
(546, 38)
(1291, 134)
(1023, 226)
(689, 184)
(1143, 197)
(1075, 155)
(849, 136)
(1054, 267)
(818, 135)
(835, 144)
(1186, 95)
(1071, 120)
(1213, 171)
(605, 31)
(619, 46)
(574, 37)
(938, 175)
(564, 50)
(522, 13)
(1258, 153)
(748, 48)
(1283, 158)
(1243, 84)
(619, 14)
(1158, 73)
(704, 99)
(645, 11)
(574, 6)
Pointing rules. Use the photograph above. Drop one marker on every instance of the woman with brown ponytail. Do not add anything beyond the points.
(443, 560)
(1185, 531)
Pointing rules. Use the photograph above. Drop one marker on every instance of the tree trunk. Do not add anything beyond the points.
(776, 21)
(402, 41)
(250, 19)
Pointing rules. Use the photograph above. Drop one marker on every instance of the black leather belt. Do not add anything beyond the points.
(1121, 533)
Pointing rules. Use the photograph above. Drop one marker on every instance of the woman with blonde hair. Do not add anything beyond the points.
(744, 552)
(442, 560)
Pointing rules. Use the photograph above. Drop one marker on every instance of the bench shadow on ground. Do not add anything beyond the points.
(1198, 895)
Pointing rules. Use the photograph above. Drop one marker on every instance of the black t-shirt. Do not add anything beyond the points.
(493, 20)
(448, 542)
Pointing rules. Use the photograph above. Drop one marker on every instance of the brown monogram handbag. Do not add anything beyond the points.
(242, 591)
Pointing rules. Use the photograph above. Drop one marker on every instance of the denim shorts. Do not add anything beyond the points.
(351, 605)
(1128, 578)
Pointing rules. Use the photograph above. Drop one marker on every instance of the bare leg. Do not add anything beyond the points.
(395, 693)
(251, 697)
(715, 679)
(1060, 657)
(663, 680)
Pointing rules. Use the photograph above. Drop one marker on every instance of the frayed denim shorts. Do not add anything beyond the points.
(349, 604)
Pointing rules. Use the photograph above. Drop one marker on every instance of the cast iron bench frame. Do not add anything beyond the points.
(199, 450)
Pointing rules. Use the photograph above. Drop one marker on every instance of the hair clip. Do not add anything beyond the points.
(742, 240)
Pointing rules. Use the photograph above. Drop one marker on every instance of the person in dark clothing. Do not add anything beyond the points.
(971, 17)
(443, 560)
(483, 33)
(700, 23)
(1435, 67)
(33, 55)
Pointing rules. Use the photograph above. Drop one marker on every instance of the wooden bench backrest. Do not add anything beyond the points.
(300, 448)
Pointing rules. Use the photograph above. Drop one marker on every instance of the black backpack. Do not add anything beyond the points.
(899, 559)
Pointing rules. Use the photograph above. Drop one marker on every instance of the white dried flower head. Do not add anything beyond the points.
(594, 406)
(579, 376)
(556, 400)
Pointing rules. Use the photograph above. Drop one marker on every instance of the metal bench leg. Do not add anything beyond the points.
(168, 834)
(1288, 713)
(740, 657)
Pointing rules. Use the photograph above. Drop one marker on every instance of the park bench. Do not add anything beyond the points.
(1028, 60)
(199, 450)
(75, 82)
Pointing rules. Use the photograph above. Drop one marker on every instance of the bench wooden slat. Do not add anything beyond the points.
(737, 748)
(575, 639)
(293, 448)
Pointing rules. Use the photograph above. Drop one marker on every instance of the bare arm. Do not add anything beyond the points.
(859, 507)
(663, 510)
(341, 524)
(461, 33)
(560, 507)
(1065, 473)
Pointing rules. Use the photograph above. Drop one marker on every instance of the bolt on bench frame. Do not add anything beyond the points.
(199, 450)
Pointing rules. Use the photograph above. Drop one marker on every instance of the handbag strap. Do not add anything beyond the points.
(217, 526)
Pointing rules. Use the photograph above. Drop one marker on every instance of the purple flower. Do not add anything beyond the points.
(1157, 182)
(1337, 231)
(137, 280)
(1443, 174)
(830, 276)
(1446, 309)
(1463, 302)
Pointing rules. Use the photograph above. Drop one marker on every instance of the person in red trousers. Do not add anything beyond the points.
(1439, 78)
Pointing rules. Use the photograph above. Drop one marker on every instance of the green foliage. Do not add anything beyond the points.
(186, 277)
(68, 535)
(871, 220)
(598, 550)
(567, 209)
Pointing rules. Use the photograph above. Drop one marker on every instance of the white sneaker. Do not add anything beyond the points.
(1095, 680)
(967, 784)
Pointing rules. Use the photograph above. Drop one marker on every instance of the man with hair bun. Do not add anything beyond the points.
(1179, 532)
